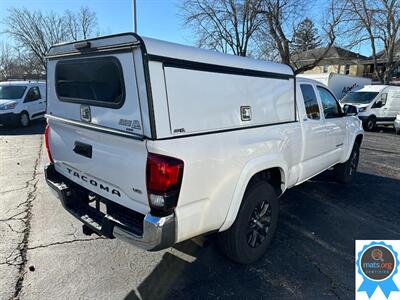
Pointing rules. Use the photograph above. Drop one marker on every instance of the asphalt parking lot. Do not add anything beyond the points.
(43, 253)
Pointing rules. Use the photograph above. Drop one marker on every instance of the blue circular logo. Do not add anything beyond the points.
(377, 263)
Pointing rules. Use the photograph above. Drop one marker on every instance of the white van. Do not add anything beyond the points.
(377, 104)
(340, 84)
(22, 101)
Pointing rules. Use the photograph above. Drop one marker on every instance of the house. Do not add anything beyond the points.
(381, 60)
(337, 60)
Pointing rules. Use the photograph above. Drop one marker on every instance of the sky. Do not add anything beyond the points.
(156, 18)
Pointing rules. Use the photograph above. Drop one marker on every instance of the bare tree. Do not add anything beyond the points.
(263, 28)
(14, 64)
(82, 24)
(280, 15)
(224, 25)
(377, 22)
(6, 62)
(35, 32)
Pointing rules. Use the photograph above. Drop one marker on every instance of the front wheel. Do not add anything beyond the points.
(345, 172)
(24, 119)
(370, 124)
(248, 238)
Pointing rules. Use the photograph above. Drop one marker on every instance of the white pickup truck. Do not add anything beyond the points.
(156, 143)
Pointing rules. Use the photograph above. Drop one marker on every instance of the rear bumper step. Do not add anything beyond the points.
(144, 231)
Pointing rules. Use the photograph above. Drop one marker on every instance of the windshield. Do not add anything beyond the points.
(359, 97)
(12, 92)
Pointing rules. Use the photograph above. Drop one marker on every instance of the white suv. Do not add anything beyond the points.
(21, 102)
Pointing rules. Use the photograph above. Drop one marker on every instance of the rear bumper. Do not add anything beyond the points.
(8, 118)
(144, 231)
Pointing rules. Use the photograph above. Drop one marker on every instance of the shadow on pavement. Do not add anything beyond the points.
(36, 127)
(312, 256)
(385, 129)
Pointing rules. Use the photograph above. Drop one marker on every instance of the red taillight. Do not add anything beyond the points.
(163, 177)
(46, 138)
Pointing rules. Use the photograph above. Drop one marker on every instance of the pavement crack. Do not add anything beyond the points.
(13, 230)
(66, 242)
(32, 185)
(13, 190)
(334, 285)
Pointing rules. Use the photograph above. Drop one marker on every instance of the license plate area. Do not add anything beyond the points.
(97, 203)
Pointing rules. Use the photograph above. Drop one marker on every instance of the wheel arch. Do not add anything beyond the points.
(272, 169)
(358, 137)
(25, 111)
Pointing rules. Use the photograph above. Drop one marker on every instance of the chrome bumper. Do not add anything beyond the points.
(147, 232)
(158, 233)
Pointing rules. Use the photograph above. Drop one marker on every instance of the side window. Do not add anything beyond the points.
(310, 101)
(329, 104)
(33, 94)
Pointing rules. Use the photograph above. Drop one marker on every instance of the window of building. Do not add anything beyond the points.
(347, 69)
(310, 102)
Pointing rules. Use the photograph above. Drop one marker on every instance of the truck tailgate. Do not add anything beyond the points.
(116, 169)
(96, 130)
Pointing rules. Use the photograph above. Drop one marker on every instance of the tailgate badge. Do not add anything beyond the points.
(85, 113)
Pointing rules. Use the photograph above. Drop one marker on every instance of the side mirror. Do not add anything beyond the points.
(350, 110)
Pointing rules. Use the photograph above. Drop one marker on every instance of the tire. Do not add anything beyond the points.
(397, 130)
(243, 242)
(370, 124)
(24, 119)
(344, 173)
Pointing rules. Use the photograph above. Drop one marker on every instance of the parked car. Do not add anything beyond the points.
(377, 104)
(22, 101)
(397, 124)
(156, 143)
(340, 84)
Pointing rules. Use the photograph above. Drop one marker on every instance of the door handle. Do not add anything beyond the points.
(83, 149)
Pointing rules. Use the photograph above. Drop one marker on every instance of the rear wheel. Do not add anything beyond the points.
(24, 119)
(255, 225)
(397, 130)
(370, 124)
(345, 172)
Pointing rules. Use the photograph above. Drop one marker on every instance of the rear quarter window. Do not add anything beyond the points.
(92, 81)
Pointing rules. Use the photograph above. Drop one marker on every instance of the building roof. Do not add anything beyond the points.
(334, 54)
(382, 54)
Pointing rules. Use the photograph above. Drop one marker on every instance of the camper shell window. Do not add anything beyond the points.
(92, 81)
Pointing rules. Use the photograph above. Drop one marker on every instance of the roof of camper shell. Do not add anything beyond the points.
(172, 50)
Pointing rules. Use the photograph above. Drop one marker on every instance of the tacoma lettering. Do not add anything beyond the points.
(94, 182)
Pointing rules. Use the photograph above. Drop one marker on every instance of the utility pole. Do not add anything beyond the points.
(134, 16)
